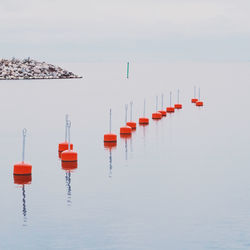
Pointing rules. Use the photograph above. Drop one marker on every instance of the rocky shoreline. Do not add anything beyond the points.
(29, 69)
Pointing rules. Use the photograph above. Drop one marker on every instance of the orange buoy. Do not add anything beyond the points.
(22, 179)
(131, 123)
(157, 115)
(170, 109)
(163, 112)
(126, 129)
(69, 155)
(178, 105)
(23, 168)
(194, 100)
(110, 138)
(199, 103)
(144, 120)
(64, 145)
(68, 166)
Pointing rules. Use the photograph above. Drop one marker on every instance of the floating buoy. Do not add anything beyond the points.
(69, 155)
(163, 112)
(170, 109)
(64, 145)
(199, 103)
(68, 166)
(144, 120)
(178, 105)
(110, 138)
(22, 179)
(131, 123)
(126, 129)
(23, 168)
(194, 100)
(157, 115)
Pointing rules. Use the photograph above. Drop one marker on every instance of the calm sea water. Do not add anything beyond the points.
(180, 183)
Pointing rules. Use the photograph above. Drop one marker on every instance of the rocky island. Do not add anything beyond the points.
(16, 69)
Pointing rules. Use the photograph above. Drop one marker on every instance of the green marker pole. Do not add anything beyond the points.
(127, 70)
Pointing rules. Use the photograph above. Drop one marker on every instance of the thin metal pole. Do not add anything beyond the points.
(199, 92)
(126, 113)
(24, 135)
(194, 91)
(162, 97)
(69, 125)
(156, 104)
(178, 96)
(170, 98)
(144, 109)
(131, 111)
(66, 129)
(110, 114)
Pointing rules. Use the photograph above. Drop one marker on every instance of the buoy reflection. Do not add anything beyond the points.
(68, 167)
(110, 146)
(23, 180)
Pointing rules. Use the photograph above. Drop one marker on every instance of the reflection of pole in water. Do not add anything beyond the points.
(24, 206)
(126, 149)
(68, 185)
(110, 163)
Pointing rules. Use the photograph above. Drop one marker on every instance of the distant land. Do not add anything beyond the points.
(16, 69)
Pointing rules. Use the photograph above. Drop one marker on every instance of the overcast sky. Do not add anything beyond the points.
(118, 30)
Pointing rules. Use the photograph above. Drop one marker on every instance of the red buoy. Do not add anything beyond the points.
(22, 179)
(170, 109)
(23, 168)
(64, 145)
(163, 112)
(178, 105)
(126, 129)
(67, 166)
(157, 115)
(110, 137)
(69, 155)
(143, 121)
(131, 123)
(194, 100)
(199, 103)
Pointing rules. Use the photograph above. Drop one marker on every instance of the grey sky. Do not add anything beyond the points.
(99, 30)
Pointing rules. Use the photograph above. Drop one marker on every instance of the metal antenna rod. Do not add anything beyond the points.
(131, 110)
(24, 135)
(156, 103)
(66, 129)
(144, 109)
(162, 97)
(69, 125)
(178, 96)
(199, 93)
(126, 113)
(110, 114)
